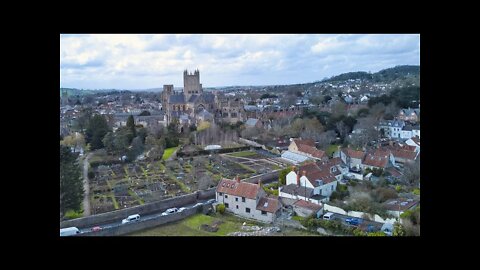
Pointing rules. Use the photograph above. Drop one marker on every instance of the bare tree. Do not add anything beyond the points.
(326, 138)
(411, 172)
(342, 129)
(339, 108)
(377, 111)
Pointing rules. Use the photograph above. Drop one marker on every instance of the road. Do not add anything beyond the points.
(118, 222)
(86, 187)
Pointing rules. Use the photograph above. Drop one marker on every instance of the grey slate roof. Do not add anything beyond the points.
(193, 98)
(296, 190)
(177, 99)
(208, 97)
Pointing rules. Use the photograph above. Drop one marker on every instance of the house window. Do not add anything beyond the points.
(332, 188)
(226, 196)
(247, 210)
(237, 206)
(220, 194)
(226, 205)
(243, 199)
(264, 213)
(236, 199)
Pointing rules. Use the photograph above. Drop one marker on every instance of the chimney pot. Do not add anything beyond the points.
(304, 173)
(238, 178)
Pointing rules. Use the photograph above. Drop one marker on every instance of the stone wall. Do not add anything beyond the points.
(144, 224)
(266, 177)
(140, 209)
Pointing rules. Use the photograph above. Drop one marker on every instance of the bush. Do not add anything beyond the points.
(71, 214)
(91, 174)
(220, 208)
(416, 191)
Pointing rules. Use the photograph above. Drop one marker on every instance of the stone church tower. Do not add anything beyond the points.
(191, 84)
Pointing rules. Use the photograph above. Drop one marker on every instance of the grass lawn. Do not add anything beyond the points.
(331, 149)
(298, 218)
(168, 152)
(242, 154)
(191, 227)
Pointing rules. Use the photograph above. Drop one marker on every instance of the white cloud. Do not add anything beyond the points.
(145, 61)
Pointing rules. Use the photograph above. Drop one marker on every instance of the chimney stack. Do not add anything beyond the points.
(260, 182)
(298, 178)
(304, 173)
(238, 178)
(293, 168)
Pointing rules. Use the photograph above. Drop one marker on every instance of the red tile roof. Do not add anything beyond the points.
(309, 205)
(242, 189)
(314, 172)
(379, 161)
(353, 153)
(268, 204)
(308, 146)
(308, 142)
(404, 154)
(335, 161)
(394, 172)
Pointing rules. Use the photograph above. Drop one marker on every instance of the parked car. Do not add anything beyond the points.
(170, 211)
(96, 229)
(328, 216)
(197, 204)
(352, 221)
(131, 218)
(181, 209)
(69, 231)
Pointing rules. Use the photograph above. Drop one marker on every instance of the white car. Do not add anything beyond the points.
(131, 219)
(181, 209)
(170, 211)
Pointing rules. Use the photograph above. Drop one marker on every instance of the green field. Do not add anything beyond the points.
(168, 152)
(191, 227)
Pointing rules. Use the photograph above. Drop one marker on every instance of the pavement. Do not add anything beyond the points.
(86, 187)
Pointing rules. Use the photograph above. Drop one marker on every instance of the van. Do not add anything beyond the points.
(328, 216)
(69, 231)
(131, 218)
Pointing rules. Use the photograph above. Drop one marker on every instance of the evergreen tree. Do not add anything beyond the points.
(131, 125)
(71, 186)
(96, 130)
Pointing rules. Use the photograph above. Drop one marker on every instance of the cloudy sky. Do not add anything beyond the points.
(150, 61)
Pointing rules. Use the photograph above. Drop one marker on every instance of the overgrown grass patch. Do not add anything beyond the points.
(168, 152)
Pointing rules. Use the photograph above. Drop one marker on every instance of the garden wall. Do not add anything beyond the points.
(266, 177)
(144, 224)
(140, 209)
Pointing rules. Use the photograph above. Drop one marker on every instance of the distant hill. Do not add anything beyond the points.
(385, 75)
